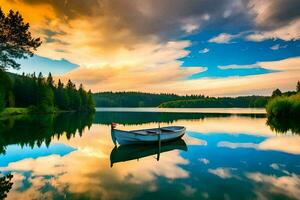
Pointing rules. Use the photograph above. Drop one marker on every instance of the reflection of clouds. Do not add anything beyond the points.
(89, 166)
(189, 190)
(279, 167)
(204, 160)
(232, 125)
(223, 173)
(286, 185)
(193, 141)
(284, 143)
(234, 145)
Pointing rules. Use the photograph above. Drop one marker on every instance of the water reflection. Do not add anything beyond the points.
(5, 185)
(41, 129)
(131, 152)
(135, 118)
(220, 157)
(284, 125)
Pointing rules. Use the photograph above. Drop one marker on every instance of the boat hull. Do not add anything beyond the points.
(132, 137)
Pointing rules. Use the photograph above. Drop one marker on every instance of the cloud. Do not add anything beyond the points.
(239, 66)
(131, 45)
(94, 32)
(222, 38)
(286, 33)
(274, 14)
(275, 19)
(204, 161)
(205, 50)
(277, 47)
(223, 173)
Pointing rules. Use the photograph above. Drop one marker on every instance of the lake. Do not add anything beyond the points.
(225, 154)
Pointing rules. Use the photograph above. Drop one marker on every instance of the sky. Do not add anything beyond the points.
(210, 47)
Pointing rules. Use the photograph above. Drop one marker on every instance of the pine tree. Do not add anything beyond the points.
(83, 98)
(45, 96)
(50, 81)
(90, 102)
(298, 87)
(15, 40)
(61, 96)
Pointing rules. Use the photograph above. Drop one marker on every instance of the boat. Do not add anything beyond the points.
(136, 151)
(163, 134)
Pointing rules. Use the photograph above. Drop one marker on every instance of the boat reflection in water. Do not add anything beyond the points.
(125, 153)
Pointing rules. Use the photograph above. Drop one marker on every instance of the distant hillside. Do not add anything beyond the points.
(136, 99)
(139, 99)
(221, 102)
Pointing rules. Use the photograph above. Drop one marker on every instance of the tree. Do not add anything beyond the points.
(6, 97)
(61, 96)
(276, 93)
(45, 96)
(83, 98)
(50, 81)
(90, 102)
(15, 40)
(298, 87)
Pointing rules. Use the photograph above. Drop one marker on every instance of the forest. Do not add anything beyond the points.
(139, 99)
(42, 95)
(135, 99)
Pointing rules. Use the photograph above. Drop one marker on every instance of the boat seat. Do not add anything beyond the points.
(151, 131)
(167, 130)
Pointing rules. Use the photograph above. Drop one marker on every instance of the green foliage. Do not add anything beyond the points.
(284, 113)
(276, 93)
(5, 88)
(221, 102)
(15, 40)
(42, 95)
(298, 87)
(138, 99)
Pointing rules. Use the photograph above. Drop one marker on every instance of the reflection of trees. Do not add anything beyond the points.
(5, 185)
(149, 117)
(38, 129)
(284, 125)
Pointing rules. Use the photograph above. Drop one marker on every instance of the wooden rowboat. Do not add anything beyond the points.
(153, 135)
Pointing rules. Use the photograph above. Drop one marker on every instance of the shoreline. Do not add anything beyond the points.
(9, 112)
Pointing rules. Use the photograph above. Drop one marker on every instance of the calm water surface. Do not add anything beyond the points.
(222, 156)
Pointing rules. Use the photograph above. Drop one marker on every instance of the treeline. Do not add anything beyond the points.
(138, 99)
(42, 95)
(283, 110)
(220, 102)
